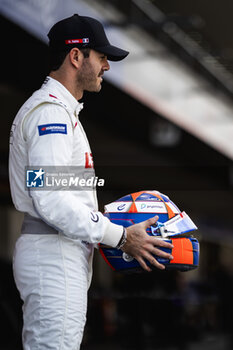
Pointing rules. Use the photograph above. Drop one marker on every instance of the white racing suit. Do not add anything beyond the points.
(53, 256)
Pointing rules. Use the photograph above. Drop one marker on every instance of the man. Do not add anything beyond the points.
(53, 256)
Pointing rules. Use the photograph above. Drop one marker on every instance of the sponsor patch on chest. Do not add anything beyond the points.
(52, 129)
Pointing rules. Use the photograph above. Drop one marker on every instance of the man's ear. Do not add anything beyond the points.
(76, 57)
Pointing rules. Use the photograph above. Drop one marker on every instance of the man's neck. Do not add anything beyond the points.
(68, 83)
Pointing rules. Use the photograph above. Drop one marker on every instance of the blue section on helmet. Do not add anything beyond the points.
(148, 197)
(165, 198)
(135, 217)
(123, 222)
(120, 261)
(127, 198)
(195, 251)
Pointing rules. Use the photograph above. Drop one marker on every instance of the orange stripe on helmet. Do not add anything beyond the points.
(182, 251)
(133, 208)
(136, 195)
(170, 213)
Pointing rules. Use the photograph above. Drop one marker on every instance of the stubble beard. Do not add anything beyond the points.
(87, 79)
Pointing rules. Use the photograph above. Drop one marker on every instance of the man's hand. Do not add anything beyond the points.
(142, 246)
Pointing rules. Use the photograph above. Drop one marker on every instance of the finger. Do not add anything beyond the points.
(150, 221)
(160, 242)
(143, 264)
(153, 261)
(162, 254)
(159, 266)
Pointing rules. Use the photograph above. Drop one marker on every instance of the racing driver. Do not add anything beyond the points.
(53, 255)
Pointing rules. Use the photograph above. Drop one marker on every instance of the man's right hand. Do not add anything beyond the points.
(142, 247)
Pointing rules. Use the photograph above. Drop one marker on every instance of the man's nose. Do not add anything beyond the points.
(106, 65)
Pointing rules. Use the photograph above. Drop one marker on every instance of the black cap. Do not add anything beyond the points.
(80, 31)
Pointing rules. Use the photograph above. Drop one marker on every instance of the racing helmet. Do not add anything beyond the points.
(173, 226)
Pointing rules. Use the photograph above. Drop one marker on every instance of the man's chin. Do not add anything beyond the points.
(99, 88)
(96, 89)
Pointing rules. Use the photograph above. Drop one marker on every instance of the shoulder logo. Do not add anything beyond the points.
(52, 129)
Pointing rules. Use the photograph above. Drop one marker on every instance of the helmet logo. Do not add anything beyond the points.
(127, 257)
(121, 207)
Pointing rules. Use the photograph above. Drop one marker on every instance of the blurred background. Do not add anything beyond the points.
(163, 120)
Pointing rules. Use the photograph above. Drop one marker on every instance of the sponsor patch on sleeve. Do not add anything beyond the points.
(52, 129)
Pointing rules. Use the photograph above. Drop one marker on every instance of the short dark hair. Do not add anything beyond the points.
(56, 58)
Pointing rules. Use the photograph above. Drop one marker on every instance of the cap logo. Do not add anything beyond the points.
(77, 41)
